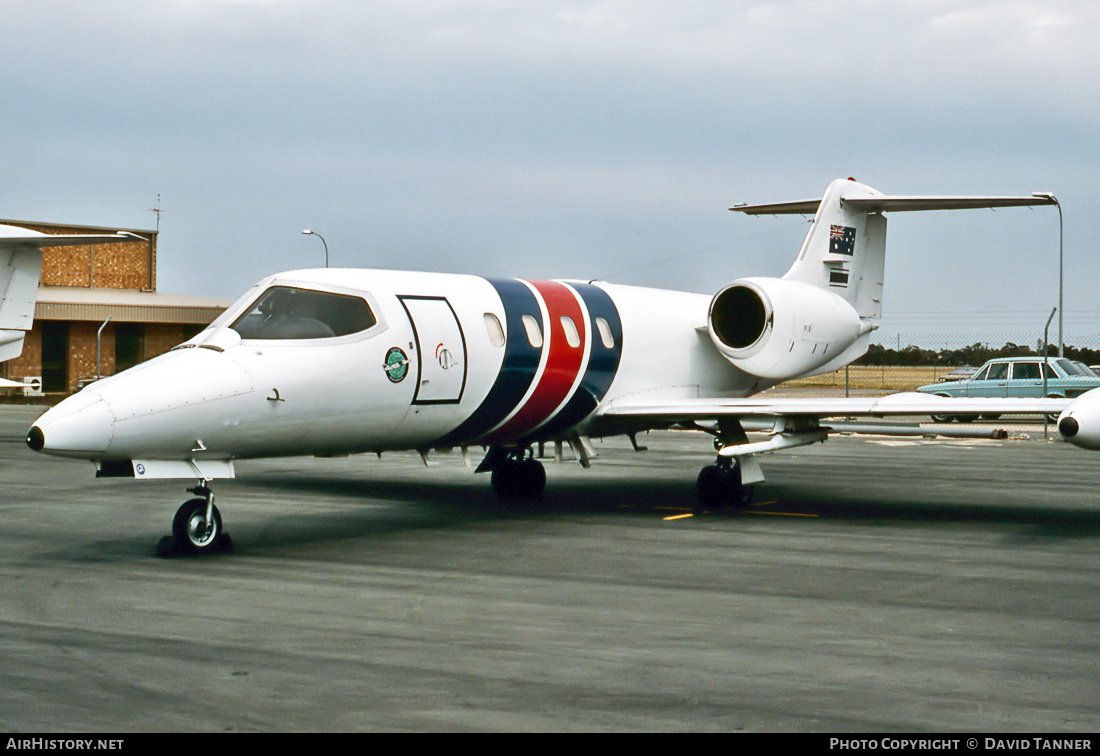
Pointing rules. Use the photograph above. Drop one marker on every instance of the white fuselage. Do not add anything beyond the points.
(432, 360)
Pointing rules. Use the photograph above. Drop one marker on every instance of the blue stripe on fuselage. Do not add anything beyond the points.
(521, 362)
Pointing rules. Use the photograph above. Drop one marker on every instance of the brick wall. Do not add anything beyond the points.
(119, 265)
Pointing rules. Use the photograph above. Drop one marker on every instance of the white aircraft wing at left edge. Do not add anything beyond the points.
(334, 362)
(20, 271)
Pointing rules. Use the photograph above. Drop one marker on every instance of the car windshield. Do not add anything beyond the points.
(284, 312)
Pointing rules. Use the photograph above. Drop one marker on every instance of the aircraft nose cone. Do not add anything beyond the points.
(77, 427)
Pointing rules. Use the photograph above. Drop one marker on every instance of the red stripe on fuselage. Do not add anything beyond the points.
(563, 362)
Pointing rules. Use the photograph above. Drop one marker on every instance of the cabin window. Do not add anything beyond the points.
(496, 332)
(606, 336)
(534, 333)
(284, 312)
(572, 335)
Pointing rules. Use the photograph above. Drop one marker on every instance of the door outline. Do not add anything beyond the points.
(423, 354)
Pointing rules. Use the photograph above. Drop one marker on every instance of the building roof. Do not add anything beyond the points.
(124, 305)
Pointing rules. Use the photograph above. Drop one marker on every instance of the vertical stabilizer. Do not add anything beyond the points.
(845, 249)
(20, 270)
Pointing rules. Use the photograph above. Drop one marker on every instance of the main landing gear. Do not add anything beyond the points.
(197, 527)
(516, 474)
(719, 486)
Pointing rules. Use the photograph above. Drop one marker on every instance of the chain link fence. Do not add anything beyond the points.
(905, 363)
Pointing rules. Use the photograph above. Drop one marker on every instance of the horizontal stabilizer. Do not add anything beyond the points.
(873, 204)
(16, 237)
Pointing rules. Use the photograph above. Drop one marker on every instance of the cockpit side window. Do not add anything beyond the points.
(284, 312)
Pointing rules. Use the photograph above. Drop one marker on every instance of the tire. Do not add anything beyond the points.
(942, 418)
(710, 487)
(1052, 417)
(188, 527)
(519, 480)
(720, 487)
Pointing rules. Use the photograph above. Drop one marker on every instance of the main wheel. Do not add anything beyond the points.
(942, 418)
(718, 487)
(519, 479)
(191, 530)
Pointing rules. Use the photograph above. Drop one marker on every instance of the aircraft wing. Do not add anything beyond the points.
(907, 403)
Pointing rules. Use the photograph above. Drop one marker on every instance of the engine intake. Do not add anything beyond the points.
(780, 329)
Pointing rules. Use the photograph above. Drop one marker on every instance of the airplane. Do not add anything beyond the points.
(331, 362)
(1079, 422)
(20, 272)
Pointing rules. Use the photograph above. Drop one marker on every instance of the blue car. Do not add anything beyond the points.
(1018, 377)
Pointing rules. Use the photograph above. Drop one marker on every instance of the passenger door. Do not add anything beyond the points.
(1027, 380)
(993, 381)
(440, 348)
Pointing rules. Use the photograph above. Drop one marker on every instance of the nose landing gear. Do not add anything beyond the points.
(197, 527)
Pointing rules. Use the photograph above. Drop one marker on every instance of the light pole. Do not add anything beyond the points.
(1061, 271)
(307, 232)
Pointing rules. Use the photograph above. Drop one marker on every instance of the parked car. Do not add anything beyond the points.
(1018, 377)
(959, 374)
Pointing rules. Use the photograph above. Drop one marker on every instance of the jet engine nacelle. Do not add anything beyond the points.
(779, 329)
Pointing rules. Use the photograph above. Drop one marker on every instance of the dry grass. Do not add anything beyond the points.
(888, 378)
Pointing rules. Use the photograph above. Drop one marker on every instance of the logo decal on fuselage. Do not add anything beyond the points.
(542, 391)
(397, 365)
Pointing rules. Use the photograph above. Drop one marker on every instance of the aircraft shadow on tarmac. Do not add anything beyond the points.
(412, 505)
(391, 506)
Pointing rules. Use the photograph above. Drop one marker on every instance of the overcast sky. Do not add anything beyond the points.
(567, 139)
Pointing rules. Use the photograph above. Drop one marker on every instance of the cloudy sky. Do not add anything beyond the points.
(566, 138)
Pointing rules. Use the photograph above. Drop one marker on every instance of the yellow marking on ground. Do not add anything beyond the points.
(783, 514)
(678, 517)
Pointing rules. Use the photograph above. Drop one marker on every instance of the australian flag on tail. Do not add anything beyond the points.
(842, 240)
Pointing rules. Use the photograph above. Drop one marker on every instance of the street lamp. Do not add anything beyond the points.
(1061, 269)
(307, 232)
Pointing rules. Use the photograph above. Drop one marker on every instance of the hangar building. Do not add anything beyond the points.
(99, 311)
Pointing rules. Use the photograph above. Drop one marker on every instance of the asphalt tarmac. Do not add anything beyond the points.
(876, 585)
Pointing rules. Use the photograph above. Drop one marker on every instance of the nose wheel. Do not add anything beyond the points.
(196, 528)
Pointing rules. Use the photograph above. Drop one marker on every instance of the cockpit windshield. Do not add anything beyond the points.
(284, 312)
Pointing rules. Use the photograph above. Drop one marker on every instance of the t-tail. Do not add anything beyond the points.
(819, 316)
